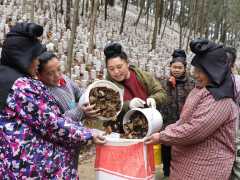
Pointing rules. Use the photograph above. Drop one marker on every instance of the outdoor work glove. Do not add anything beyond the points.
(151, 103)
(136, 102)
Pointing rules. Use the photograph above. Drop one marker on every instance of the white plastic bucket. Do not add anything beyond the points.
(101, 83)
(152, 115)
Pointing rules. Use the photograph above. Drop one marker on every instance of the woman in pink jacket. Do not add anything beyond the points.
(203, 139)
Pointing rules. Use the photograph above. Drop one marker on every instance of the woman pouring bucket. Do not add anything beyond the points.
(139, 87)
(203, 139)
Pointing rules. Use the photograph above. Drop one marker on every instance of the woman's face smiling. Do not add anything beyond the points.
(177, 69)
(202, 78)
(51, 72)
(118, 68)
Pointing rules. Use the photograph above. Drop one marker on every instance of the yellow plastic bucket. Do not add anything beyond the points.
(158, 154)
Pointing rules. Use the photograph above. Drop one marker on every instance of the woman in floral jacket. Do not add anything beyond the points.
(36, 141)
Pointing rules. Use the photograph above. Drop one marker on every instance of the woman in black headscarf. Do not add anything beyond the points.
(177, 85)
(36, 141)
(203, 139)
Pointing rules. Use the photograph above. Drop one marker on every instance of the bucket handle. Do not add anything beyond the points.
(151, 110)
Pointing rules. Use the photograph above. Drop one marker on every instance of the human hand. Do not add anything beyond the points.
(153, 139)
(136, 102)
(88, 110)
(151, 103)
(98, 140)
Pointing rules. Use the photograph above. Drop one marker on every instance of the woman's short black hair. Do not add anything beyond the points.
(113, 50)
(44, 58)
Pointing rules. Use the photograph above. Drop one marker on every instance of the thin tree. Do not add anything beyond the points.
(24, 7)
(87, 5)
(147, 13)
(205, 20)
(72, 37)
(61, 7)
(156, 25)
(181, 23)
(32, 11)
(161, 16)
(94, 8)
(165, 24)
(123, 19)
(191, 25)
(171, 11)
(140, 13)
(225, 24)
(106, 3)
(82, 9)
(123, 5)
(202, 18)
(68, 14)
(56, 11)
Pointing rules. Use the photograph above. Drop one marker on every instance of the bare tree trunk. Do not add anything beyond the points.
(216, 29)
(32, 11)
(171, 11)
(161, 16)
(68, 15)
(123, 19)
(207, 30)
(106, 3)
(164, 26)
(196, 27)
(56, 11)
(190, 30)
(225, 24)
(61, 10)
(123, 5)
(209, 5)
(94, 8)
(202, 18)
(82, 8)
(87, 5)
(24, 7)
(156, 25)
(181, 23)
(72, 37)
(148, 15)
(148, 5)
(140, 13)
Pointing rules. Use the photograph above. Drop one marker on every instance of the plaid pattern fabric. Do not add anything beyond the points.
(63, 96)
(203, 139)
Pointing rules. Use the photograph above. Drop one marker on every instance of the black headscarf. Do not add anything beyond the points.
(179, 55)
(213, 61)
(19, 50)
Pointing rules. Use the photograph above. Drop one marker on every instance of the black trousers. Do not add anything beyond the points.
(166, 159)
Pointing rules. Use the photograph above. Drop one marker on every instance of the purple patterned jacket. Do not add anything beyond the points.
(36, 141)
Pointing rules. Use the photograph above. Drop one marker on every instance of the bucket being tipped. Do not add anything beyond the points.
(152, 115)
(101, 83)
